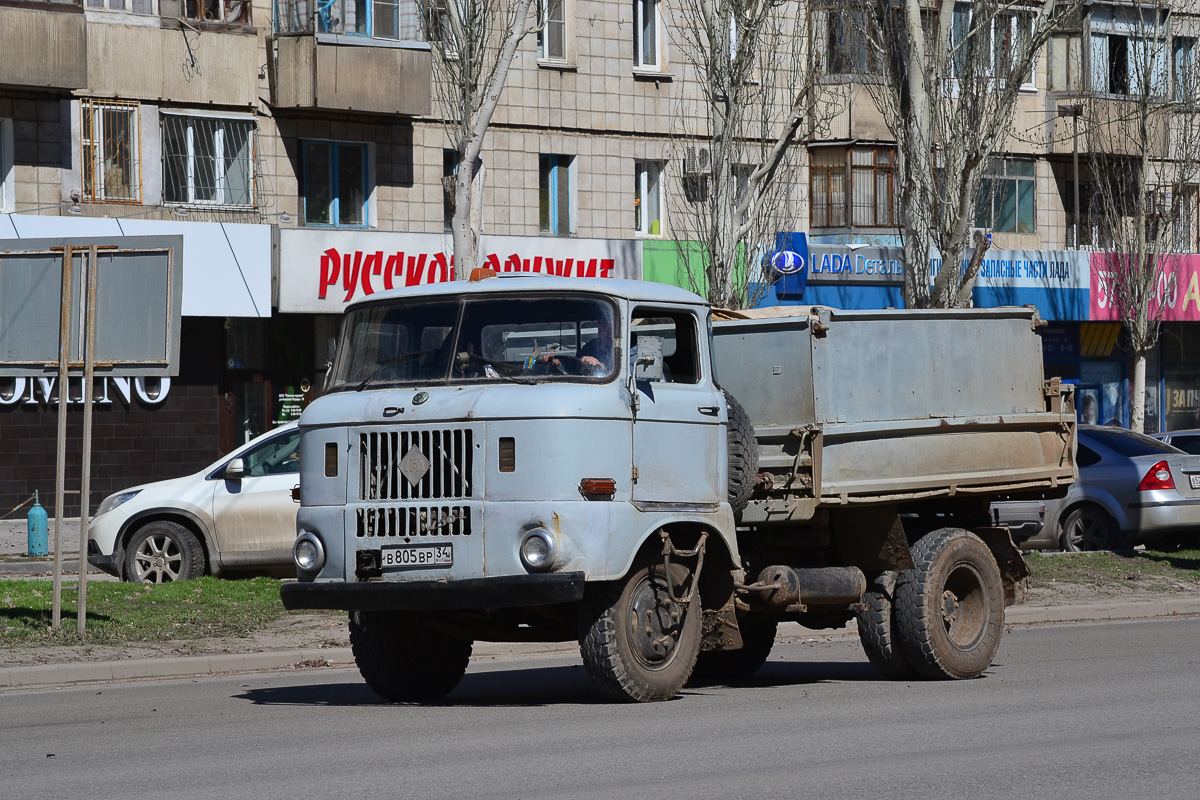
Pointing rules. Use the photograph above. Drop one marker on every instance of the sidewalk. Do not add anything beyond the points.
(191, 666)
(14, 546)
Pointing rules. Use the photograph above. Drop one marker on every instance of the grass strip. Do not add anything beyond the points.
(126, 612)
(1148, 569)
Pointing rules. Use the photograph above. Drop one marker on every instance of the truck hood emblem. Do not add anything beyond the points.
(414, 465)
(420, 397)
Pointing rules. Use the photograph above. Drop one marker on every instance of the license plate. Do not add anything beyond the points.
(417, 556)
(1195, 479)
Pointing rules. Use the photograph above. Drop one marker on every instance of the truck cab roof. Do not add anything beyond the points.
(633, 290)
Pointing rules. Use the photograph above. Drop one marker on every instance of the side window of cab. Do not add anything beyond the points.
(680, 338)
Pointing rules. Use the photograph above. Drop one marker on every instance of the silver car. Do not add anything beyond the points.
(1132, 489)
(235, 514)
(1188, 440)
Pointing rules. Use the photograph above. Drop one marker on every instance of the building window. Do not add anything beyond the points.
(1066, 62)
(110, 165)
(647, 34)
(214, 10)
(1121, 64)
(1183, 69)
(647, 197)
(382, 19)
(335, 184)
(870, 172)
(208, 161)
(1008, 35)
(846, 46)
(552, 36)
(555, 189)
(132, 6)
(1006, 197)
(6, 166)
(449, 173)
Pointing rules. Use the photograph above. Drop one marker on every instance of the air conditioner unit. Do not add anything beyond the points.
(697, 161)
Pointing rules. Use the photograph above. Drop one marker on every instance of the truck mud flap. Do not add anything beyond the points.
(512, 591)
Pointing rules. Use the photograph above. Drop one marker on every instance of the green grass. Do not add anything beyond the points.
(126, 612)
(1149, 569)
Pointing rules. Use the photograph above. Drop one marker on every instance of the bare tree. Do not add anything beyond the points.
(752, 102)
(1142, 129)
(473, 42)
(952, 74)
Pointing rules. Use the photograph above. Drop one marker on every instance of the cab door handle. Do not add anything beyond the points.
(711, 411)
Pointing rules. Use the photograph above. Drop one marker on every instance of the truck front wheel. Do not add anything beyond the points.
(950, 606)
(403, 660)
(637, 640)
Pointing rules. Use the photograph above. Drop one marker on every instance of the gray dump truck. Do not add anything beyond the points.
(531, 458)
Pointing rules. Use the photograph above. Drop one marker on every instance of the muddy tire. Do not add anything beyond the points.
(638, 644)
(402, 660)
(878, 633)
(1089, 528)
(731, 666)
(743, 454)
(950, 607)
(163, 551)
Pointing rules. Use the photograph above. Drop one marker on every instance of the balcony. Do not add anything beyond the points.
(350, 56)
(43, 45)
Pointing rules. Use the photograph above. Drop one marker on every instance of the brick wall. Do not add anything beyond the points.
(131, 444)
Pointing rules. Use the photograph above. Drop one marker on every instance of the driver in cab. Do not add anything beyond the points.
(594, 358)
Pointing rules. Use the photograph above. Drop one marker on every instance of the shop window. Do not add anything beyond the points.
(382, 19)
(871, 174)
(647, 197)
(110, 164)
(335, 184)
(7, 179)
(1006, 203)
(647, 34)
(208, 161)
(555, 194)
(552, 35)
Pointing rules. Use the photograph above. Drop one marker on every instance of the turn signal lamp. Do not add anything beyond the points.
(1159, 477)
(597, 487)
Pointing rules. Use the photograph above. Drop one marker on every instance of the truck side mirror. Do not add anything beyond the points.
(648, 364)
(235, 470)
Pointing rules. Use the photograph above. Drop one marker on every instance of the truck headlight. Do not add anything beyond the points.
(308, 552)
(539, 551)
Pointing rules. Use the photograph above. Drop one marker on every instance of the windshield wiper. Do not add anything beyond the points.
(396, 359)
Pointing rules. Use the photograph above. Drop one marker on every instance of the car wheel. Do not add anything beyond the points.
(163, 551)
(1088, 528)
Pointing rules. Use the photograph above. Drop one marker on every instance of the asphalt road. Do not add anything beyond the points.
(1083, 711)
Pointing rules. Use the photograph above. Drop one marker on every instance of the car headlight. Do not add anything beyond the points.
(539, 550)
(114, 500)
(308, 552)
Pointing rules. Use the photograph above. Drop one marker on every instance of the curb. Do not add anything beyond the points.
(340, 657)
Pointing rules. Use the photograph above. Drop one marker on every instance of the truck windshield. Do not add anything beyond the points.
(494, 338)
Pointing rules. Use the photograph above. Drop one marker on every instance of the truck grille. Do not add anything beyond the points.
(415, 464)
(415, 521)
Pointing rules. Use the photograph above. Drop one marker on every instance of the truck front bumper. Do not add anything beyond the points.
(510, 591)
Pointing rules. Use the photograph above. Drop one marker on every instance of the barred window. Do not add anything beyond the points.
(870, 175)
(110, 164)
(208, 161)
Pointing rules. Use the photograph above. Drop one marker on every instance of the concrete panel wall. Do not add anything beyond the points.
(42, 48)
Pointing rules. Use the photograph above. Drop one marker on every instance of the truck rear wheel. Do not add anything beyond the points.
(758, 637)
(878, 633)
(950, 606)
(403, 660)
(743, 454)
(636, 641)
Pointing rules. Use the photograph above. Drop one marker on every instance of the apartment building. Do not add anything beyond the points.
(295, 145)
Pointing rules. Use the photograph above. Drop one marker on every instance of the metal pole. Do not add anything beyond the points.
(64, 337)
(91, 275)
(1075, 158)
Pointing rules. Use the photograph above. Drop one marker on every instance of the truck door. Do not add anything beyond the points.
(677, 428)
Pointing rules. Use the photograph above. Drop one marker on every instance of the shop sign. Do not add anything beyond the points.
(321, 271)
(849, 263)
(1177, 293)
(1054, 281)
(43, 391)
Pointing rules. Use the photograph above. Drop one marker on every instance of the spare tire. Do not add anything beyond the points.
(743, 454)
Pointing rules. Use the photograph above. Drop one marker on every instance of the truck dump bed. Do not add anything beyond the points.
(897, 405)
